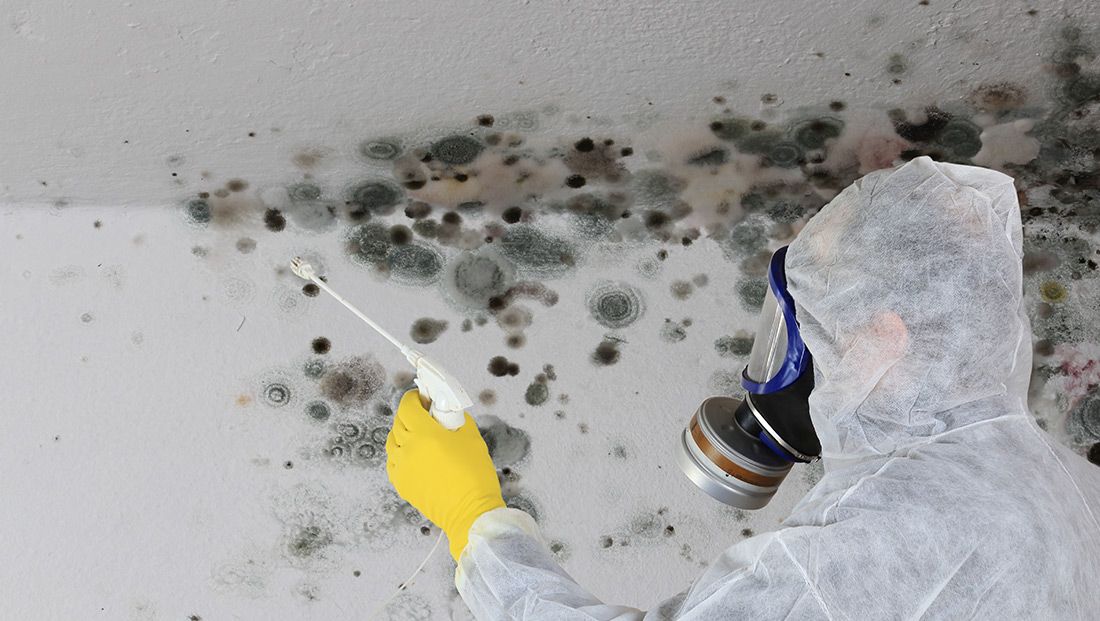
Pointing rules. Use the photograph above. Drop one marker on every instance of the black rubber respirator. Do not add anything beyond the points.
(739, 450)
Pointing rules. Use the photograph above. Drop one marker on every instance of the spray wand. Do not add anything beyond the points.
(439, 391)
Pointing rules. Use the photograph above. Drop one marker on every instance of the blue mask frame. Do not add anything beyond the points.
(797, 357)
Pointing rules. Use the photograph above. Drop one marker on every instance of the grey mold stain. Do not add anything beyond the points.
(352, 382)
(537, 394)
(381, 149)
(681, 289)
(314, 368)
(276, 394)
(416, 263)
(377, 197)
(615, 304)
(507, 445)
(537, 252)
(751, 294)
(409, 607)
(427, 330)
(1084, 420)
(475, 278)
(317, 410)
(733, 346)
(673, 331)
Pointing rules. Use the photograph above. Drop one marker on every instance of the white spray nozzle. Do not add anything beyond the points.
(302, 269)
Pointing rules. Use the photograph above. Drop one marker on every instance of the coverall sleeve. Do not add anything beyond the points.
(507, 572)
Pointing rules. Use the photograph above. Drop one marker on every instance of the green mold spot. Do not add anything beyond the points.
(304, 192)
(1053, 292)
(813, 133)
(730, 128)
(457, 150)
(962, 138)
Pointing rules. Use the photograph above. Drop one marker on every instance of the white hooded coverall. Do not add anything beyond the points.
(941, 498)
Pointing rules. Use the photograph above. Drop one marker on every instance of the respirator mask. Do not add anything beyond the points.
(739, 450)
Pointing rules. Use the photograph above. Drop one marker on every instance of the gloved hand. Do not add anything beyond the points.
(447, 475)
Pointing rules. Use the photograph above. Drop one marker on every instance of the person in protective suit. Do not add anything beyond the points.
(941, 498)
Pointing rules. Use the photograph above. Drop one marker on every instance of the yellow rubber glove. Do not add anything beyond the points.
(447, 475)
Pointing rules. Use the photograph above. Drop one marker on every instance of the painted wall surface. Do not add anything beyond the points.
(568, 205)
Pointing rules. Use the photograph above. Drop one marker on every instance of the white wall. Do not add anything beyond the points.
(142, 474)
(104, 101)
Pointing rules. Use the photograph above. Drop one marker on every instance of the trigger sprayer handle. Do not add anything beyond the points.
(450, 419)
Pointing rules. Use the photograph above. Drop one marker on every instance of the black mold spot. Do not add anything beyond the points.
(317, 410)
(311, 290)
(537, 394)
(418, 210)
(730, 128)
(499, 366)
(507, 445)
(925, 131)
(236, 185)
(457, 150)
(626, 151)
(607, 353)
(575, 181)
(747, 532)
(709, 157)
(615, 304)
(512, 215)
(377, 196)
(321, 345)
(584, 145)
(1094, 454)
(837, 106)
(485, 120)
(426, 330)
(276, 394)
(274, 220)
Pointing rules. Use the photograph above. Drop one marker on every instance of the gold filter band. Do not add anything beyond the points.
(725, 464)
